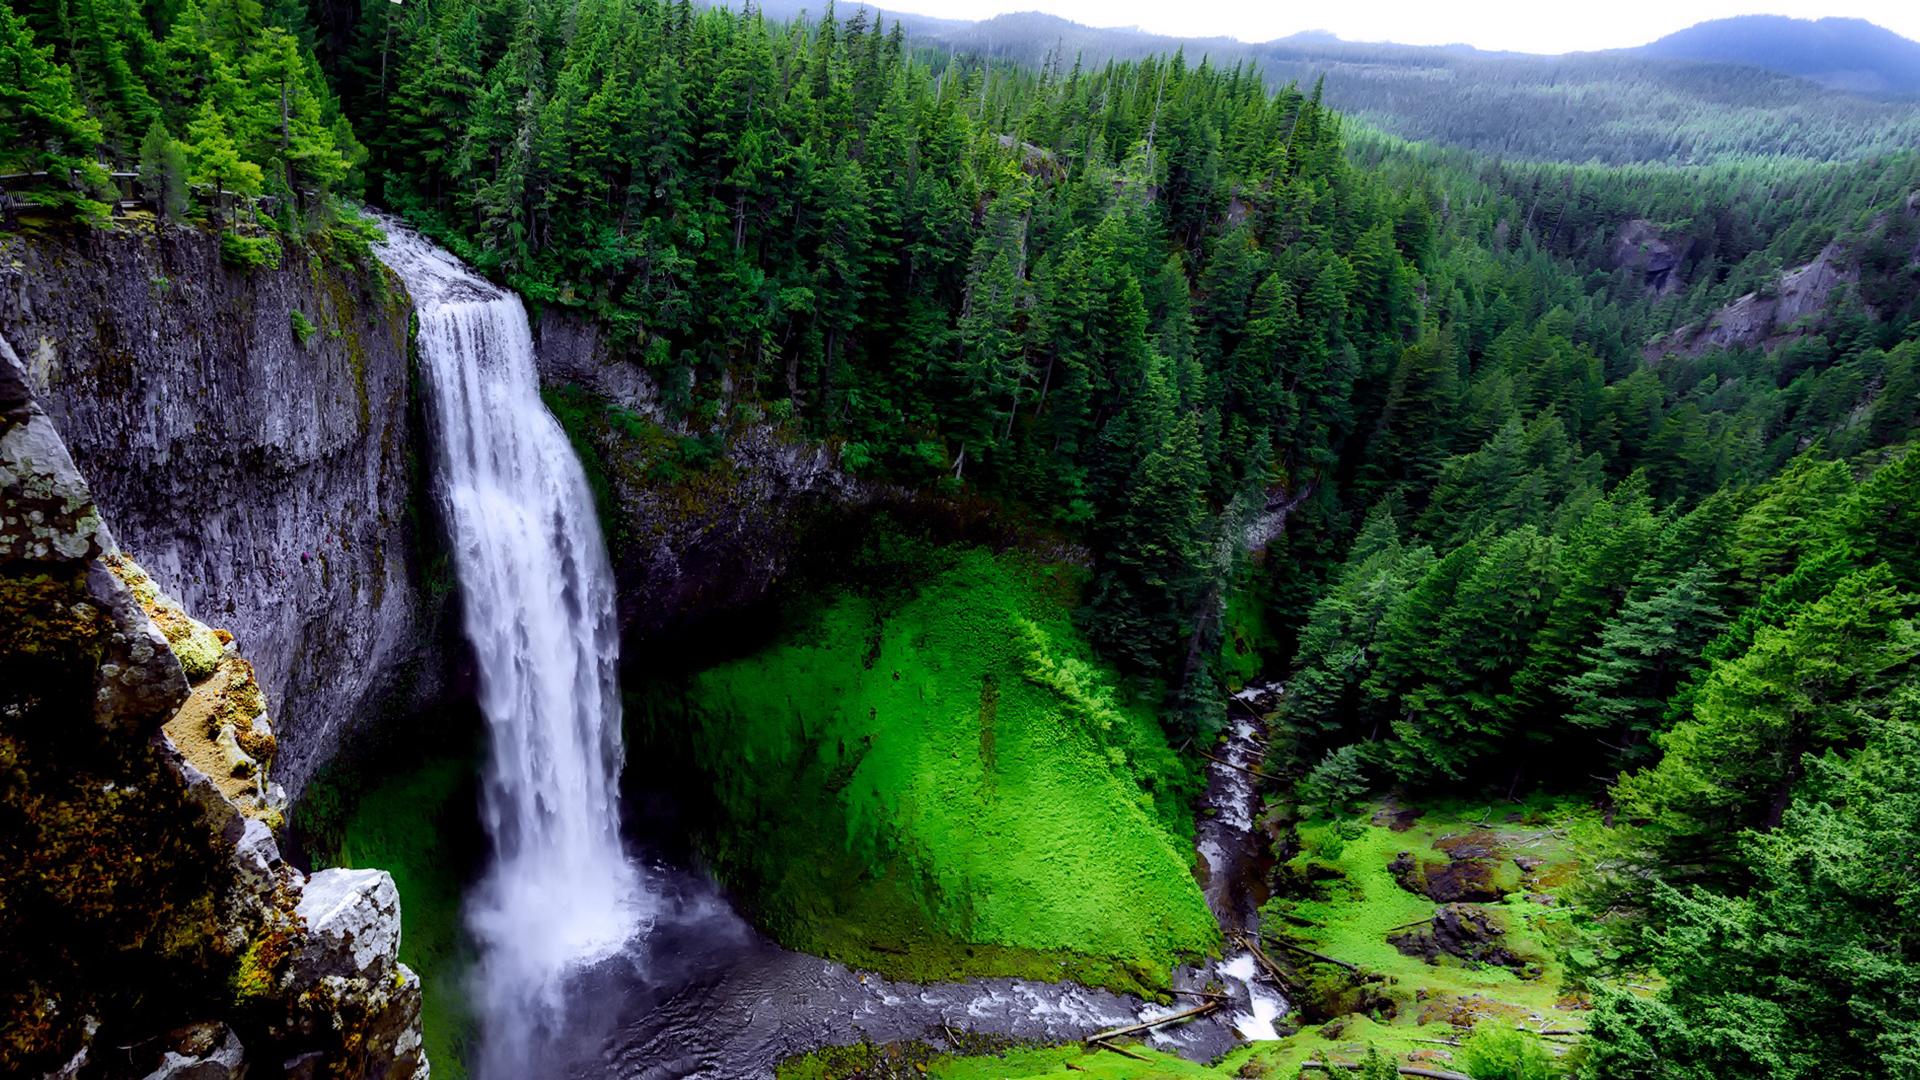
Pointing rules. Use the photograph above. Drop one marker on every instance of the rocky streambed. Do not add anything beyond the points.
(704, 994)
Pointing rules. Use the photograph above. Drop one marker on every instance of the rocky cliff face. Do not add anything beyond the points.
(1771, 319)
(1643, 249)
(689, 544)
(148, 926)
(249, 436)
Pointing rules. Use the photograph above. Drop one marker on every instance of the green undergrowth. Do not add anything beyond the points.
(419, 822)
(1358, 900)
(1415, 1014)
(1072, 1060)
(865, 1061)
(1250, 642)
(1347, 903)
(939, 780)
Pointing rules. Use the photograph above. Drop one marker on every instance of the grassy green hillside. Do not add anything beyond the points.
(942, 781)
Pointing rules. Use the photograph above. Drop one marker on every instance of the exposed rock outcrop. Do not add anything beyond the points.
(689, 545)
(265, 480)
(1641, 248)
(1769, 318)
(1467, 932)
(1476, 870)
(148, 925)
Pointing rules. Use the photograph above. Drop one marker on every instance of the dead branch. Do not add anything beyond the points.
(1099, 1044)
(1242, 768)
(1149, 1025)
(1405, 1070)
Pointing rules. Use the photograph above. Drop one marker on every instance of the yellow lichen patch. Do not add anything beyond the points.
(217, 731)
(197, 645)
(48, 616)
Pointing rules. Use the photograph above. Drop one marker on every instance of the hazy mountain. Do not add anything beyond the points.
(1610, 107)
(1847, 54)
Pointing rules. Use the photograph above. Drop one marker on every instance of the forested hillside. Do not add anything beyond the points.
(1612, 108)
(1383, 414)
(1847, 54)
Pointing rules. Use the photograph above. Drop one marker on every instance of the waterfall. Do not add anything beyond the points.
(537, 589)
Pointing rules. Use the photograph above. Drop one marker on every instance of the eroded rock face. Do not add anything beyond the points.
(1770, 319)
(148, 925)
(263, 481)
(688, 552)
(1641, 247)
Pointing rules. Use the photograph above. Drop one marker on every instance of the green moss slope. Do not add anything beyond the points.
(948, 784)
(420, 825)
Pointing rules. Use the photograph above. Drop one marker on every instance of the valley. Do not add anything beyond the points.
(625, 539)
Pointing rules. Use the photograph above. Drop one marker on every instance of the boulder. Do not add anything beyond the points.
(347, 990)
(207, 1051)
(1473, 871)
(1465, 931)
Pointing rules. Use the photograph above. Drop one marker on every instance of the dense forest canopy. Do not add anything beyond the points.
(1155, 305)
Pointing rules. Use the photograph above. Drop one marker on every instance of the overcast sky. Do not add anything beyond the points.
(1543, 26)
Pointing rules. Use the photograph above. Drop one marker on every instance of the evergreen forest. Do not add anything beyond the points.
(1530, 477)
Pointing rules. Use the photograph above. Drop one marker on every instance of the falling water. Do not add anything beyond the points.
(539, 610)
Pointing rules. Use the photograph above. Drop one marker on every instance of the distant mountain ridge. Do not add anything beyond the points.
(1615, 107)
(1846, 54)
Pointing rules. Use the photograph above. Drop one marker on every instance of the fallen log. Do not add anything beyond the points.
(1322, 957)
(1410, 925)
(1241, 768)
(1404, 1070)
(1149, 1025)
(1273, 970)
(1101, 1044)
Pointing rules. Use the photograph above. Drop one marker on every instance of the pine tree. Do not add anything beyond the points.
(163, 173)
(1594, 568)
(44, 129)
(216, 161)
(1642, 656)
(1800, 689)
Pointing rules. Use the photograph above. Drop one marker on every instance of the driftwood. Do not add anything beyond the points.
(1242, 768)
(1149, 1025)
(1405, 1070)
(1410, 925)
(1102, 1044)
(1322, 957)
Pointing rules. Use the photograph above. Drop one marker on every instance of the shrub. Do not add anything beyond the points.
(1334, 785)
(303, 328)
(1498, 1051)
(249, 252)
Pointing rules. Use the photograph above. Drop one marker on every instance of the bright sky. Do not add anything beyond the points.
(1541, 26)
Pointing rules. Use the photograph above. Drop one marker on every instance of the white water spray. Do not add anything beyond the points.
(538, 594)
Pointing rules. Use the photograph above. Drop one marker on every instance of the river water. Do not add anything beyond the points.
(594, 964)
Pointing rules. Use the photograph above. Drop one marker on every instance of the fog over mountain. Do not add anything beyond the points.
(1756, 86)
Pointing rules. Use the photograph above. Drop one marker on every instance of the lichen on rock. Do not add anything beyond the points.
(144, 906)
